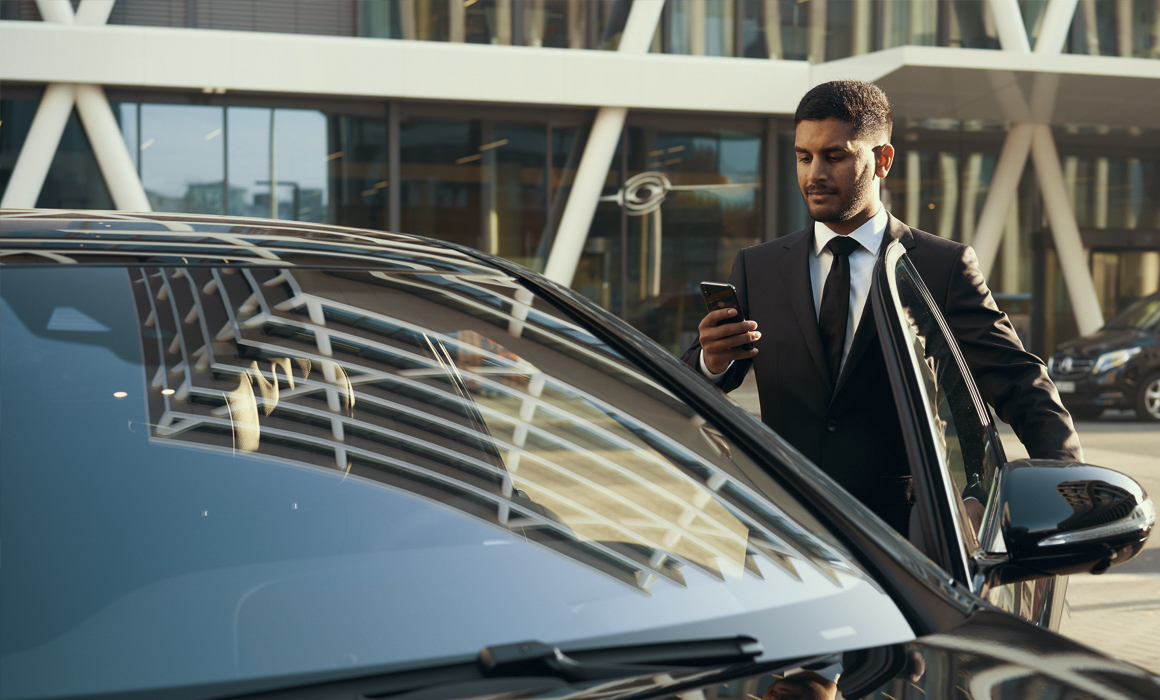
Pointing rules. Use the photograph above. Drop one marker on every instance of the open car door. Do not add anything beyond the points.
(952, 444)
(1003, 529)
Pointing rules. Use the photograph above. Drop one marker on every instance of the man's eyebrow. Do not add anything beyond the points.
(828, 149)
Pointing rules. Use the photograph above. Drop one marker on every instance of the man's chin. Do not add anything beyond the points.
(828, 216)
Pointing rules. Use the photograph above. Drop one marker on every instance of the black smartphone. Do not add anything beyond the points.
(719, 295)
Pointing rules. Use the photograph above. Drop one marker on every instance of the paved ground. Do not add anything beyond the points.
(1118, 612)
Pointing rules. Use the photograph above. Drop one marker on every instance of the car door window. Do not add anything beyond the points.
(960, 454)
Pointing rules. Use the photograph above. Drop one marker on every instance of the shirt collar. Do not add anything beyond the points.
(869, 235)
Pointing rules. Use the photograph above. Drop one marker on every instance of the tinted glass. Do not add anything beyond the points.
(1144, 314)
(494, 185)
(192, 135)
(968, 453)
(215, 474)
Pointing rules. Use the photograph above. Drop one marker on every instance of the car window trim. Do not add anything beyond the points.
(934, 509)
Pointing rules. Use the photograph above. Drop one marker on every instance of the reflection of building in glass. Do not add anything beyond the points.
(1095, 503)
(457, 388)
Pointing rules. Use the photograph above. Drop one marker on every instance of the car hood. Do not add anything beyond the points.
(1104, 340)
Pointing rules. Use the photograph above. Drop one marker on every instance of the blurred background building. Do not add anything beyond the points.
(628, 149)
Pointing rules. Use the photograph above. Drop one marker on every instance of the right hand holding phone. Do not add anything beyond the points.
(721, 344)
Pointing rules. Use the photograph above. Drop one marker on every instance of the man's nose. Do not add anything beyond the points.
(818, 171)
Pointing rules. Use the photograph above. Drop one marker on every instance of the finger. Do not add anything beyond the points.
(735, 342)
(728, 330)
(730, 345)
(717, 316)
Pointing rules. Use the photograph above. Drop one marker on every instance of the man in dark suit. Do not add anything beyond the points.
(821, 378)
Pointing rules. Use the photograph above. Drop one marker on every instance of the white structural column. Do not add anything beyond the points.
(59, 11)
(95, 12)
(1012, 252)
(39, 148)
(862, 16)
(44, 134)
(949, 170)
(110, 150)
(696, 12)
(817, 33)
(1037, 139)
(972, 176)
(771, 24)
(1056, 25)
(1016, 147)
(913, 185)
(639, 29)
(1009, 24)
(52, 115)
(1088, 315)
(1000, 195)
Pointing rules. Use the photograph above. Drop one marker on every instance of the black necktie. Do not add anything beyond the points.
(835, 307)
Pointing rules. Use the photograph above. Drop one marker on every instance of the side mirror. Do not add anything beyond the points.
(1068, 518)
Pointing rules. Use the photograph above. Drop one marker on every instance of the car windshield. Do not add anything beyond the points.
(215, 474)
(1144, 315)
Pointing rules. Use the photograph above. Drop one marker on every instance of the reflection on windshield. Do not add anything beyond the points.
(434, 384)
(1144, 314)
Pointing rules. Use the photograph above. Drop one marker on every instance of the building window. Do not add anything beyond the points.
(492, 184)
(269, 162)
(680, 202)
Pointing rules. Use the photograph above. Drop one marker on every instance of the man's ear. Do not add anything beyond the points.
(883, 159)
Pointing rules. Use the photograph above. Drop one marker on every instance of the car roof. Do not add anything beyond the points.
(105, 237)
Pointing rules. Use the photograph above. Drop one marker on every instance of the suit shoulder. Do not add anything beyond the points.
(936, 249)
(777, 244)
(936, 242)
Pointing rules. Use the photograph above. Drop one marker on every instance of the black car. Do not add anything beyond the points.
(1116, 367)
(249, 458)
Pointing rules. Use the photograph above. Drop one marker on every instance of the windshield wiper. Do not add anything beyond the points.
(523, 666)
(538, 659)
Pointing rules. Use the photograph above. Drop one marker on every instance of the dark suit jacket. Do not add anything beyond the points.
(853, 433)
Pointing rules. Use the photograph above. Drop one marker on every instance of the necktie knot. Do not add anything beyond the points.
(842, 245)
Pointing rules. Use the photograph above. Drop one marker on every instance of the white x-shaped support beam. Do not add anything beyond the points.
(52, 115)
(1036, 140)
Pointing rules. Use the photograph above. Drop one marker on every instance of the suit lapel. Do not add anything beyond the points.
(794, 263)
(867, 330)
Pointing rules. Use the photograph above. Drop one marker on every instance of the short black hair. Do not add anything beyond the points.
(862, 104)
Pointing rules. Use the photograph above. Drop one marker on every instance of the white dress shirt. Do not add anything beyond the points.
(869, 236)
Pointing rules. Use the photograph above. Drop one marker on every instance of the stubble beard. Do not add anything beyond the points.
(845, 208)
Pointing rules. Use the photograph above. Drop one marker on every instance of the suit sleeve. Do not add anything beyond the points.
(1011, 379)
(736, 372)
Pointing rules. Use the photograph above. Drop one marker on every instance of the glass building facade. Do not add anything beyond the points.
(814, 30)
(684, 191)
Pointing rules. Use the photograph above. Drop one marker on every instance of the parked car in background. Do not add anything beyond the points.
(251, 458)
(1115, 367)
